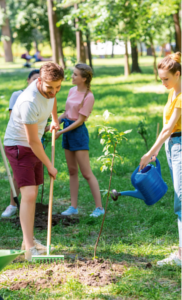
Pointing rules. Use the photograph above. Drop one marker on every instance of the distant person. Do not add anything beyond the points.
(23, 147)
(12, 208)
(169, 69)
(38, 57)
(27, 57)
(167, 49)
(75, 140)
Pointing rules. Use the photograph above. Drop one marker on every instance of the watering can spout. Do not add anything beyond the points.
(135, 194)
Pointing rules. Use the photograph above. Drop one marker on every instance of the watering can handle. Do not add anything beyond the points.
(133, 177)
(158, 166)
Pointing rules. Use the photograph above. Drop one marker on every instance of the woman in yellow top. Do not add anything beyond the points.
(169, 70)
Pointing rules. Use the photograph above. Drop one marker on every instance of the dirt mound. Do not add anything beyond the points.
(41, 218)
(90, 272)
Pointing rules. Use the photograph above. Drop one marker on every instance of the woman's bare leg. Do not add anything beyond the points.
(82, 157)
(73, 172)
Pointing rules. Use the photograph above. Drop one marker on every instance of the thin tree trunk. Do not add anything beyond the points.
(141, 49)
(126, 61)
(149, 51)
(134, 55)
(53, 31)
(154, 55)
(81, 56)
(62, 53)
(5, 31)
(60, 48)
(89, 49)
(177, 31)
(112, 54)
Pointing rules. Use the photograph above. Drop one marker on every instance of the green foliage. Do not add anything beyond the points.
(110, 138)
(142, 130)
(68, 72)
(134, 234)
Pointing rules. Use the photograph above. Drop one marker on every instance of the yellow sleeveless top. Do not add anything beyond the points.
(170, 106)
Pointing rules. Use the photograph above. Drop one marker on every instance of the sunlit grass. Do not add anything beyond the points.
(133, 232)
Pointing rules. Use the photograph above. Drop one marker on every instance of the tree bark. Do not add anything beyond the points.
(126, 61)
(149, 51)
(141, 49)
(89, 49)
(60, 49)
(177, 31)
(154, 55)
(81, 56)
(5, 30)
(112, 54)
(53, 31)
(134, 55)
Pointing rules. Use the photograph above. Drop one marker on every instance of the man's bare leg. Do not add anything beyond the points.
(12, 202)
(27, 213)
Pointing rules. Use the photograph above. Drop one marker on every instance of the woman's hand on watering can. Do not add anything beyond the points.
(153, 158)
(144, 161)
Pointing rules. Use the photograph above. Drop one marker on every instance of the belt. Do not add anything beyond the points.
(175, 134)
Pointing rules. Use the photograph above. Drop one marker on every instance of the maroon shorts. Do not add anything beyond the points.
(27, 168)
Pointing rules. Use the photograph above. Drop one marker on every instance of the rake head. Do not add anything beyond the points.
(44, 259)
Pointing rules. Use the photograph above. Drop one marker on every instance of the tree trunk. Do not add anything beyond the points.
(134, 55)
(112, 54)
(60, 48)
(141, 49)
(149, 51)
(126, 61)
(177, 31)
(81, 56)
(5, 31)
(89, 49)
(154, 55)
(53, 31)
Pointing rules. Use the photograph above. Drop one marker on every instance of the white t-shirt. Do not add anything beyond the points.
(30, 108)
(13, 99)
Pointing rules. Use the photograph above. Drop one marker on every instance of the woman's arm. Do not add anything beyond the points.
(165, 133)
(77, 123)
(164, 122)
(61, 117)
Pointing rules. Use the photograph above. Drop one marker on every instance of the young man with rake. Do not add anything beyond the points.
(12, 208)
(23, 145)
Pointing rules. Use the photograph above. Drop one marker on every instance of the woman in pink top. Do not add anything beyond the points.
(75, 141)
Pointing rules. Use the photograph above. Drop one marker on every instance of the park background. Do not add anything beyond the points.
(122, 41)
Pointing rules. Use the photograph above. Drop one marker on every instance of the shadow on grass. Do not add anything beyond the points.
(105, 71)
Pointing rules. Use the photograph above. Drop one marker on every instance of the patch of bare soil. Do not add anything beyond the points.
(91, 272)
(41, 218)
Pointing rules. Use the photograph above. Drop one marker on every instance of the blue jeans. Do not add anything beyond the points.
(174, 157)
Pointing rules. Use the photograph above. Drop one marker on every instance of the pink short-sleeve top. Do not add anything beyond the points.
(74, 105)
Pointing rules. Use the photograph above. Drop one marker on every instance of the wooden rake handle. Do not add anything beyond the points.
(51, 194)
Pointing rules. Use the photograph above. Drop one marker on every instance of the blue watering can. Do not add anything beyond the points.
(148, 183)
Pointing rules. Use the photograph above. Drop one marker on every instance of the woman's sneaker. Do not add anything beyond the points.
(9, 211)
(172, 259)
(97, 212)
(70, 211)
(29, 253)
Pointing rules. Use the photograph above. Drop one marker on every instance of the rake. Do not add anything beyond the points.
(49, 258)
(9, 176)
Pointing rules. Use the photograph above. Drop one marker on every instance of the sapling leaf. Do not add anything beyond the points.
(127, 131)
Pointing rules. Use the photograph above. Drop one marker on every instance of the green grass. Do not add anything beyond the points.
(133, 232)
